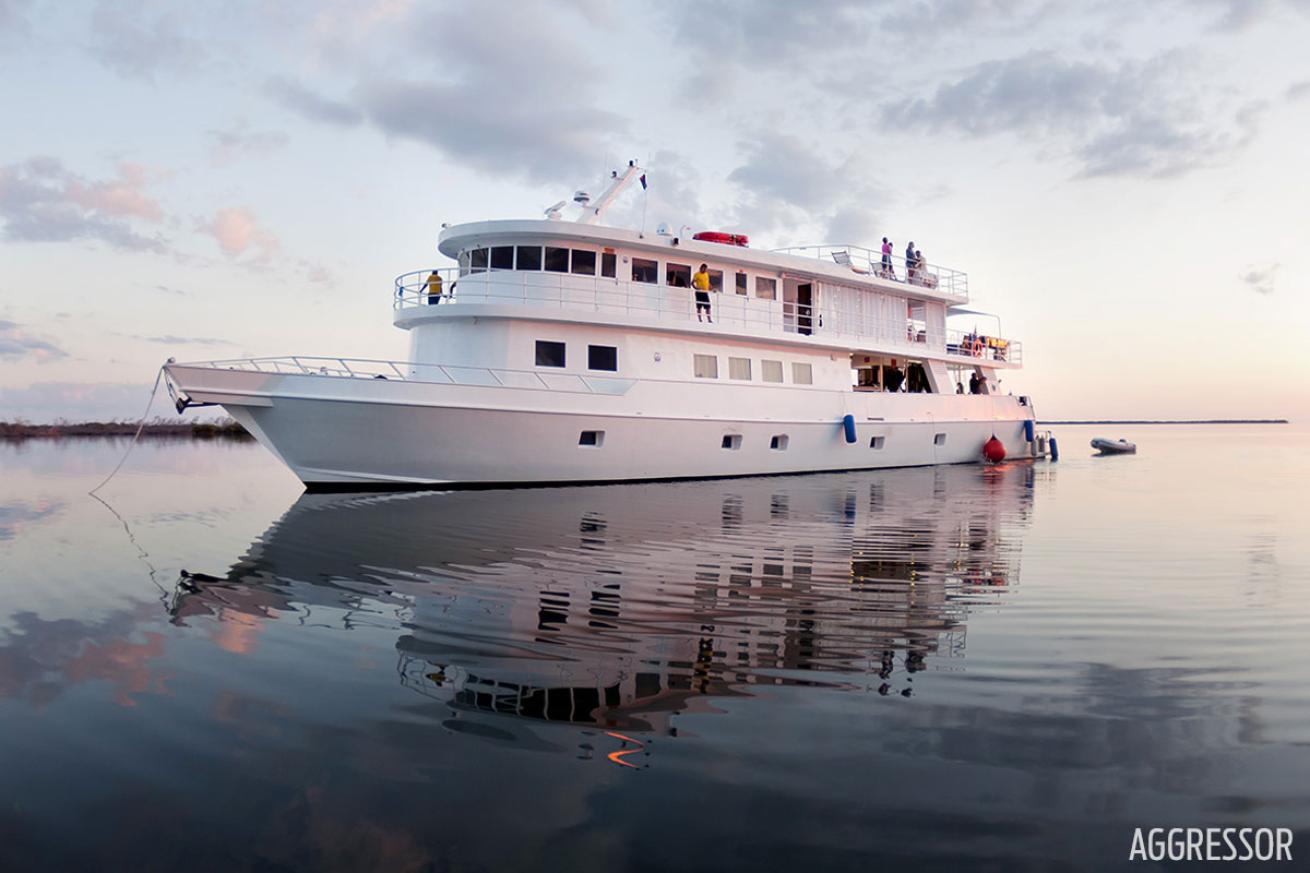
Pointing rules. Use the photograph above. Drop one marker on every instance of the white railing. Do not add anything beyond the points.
(409, 371)
(667, 303)
(983, 347)
(867, 262)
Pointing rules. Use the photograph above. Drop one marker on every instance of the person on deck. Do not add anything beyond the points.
(887, 271)
(909, 261)
(700, 280)
(975, 384)
(892, 377)
(434, 287)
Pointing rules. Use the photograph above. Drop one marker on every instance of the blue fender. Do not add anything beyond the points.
(1055, 450)
(848, 425)
(1028, 429)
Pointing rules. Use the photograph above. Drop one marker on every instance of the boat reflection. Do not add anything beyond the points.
(620, 605)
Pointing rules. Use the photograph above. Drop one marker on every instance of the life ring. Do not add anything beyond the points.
(716, 236)
(977, 348)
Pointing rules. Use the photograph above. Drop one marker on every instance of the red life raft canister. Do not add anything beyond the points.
(994, 450)
(727, 239)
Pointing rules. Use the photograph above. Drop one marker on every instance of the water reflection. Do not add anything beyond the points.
(620, 606)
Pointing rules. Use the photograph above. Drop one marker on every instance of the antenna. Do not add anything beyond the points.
(552, 212)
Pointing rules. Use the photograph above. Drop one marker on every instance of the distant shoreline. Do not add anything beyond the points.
(228, 429)
(1172, 421)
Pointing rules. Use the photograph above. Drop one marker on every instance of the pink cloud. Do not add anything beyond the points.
(238, 231)
(121, 197)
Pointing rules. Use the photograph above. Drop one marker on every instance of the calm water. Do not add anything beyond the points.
(953, 668)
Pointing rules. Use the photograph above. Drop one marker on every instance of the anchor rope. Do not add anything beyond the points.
(141, 425)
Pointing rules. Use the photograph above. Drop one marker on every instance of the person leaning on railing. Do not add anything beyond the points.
(434, 287)
(700, 280)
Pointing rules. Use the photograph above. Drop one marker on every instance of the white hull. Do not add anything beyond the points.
(353, 432)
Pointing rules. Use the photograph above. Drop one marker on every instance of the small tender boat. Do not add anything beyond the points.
(1114, 447)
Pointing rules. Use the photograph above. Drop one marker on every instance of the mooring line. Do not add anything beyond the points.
(140, 427)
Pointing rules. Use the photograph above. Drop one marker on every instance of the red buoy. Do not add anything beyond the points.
(994, 450)
(714, 236)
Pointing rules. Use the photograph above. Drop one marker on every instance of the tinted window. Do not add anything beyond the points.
(716, 280)
(706, 367)
(677, 275)
(607, 264)
(584, 263)
(645, 271)
(771, 371)
(502, 258)
(478, 260)
(741, 284)
(557, 260)
(802, 374)
(602, 358)
(550, 354)
(529, 258)
(739, 368)
(766, 289)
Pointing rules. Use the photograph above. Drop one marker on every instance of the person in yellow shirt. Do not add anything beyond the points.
(700, 280)
(434, 287)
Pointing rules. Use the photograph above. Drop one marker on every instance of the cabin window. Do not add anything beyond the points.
(584, 262)
(771, 371)
(645, 271)
(478, 261)
(529, 258)
(502, 258)
(779, 442)
(608, 261)
(877, 442)
(706, 367)
(741, 284)
(802, 374)
(731, 441)
(677, 275)
(602, 358)
(716, 280)
(766, 288)
(550, 354)
(592, 438)
(739, 368)
(557, 260)
(939, 439)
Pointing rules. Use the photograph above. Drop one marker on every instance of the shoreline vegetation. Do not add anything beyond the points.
(223, 428)
(1170, 421)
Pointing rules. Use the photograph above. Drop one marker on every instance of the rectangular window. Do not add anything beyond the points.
(529, 258)
(502, 258)
(939, 439)
(716, 280)
(766, 288)
(779, 442)
(607, 263)
(741, 284)
(706, 367)
(584, 262)
(677, 275)
(877, 442)
(550, 354)
(645, 271)
(592, 438)
(739, 368)
(771, 371)
(602, 358)
(731, 441)
(557, 260)
(478, 261)
(802, 374)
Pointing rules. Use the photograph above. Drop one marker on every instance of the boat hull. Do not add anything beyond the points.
(359, 433)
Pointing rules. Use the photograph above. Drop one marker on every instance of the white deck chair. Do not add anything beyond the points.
(843, 258)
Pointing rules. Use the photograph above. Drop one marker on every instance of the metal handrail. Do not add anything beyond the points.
(893, 267)
(669, 303)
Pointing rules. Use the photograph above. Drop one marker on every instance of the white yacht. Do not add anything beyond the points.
(565, 350)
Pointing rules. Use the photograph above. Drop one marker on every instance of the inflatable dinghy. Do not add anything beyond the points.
(1114, 447)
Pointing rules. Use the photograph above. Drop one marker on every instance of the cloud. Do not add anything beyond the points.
(1298, 90)
(16, 344)
(770, 32)
(173, 340)
(228, 146)
(135, 41)
(292, 95)
(1261, 279)
(1244, 14)
(1137, 119)
(238, 232)
(42, 201)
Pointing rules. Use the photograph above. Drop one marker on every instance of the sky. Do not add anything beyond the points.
(1125, 183)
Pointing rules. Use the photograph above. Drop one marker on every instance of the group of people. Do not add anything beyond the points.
(976, 383)
(914, 262)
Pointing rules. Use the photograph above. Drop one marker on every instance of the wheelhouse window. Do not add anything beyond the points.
(766, 288)
(602, 358)
(802, 374)
(608, 261)
(584, 262)
(739, 368)
(502, 258)
(529, 258)
(771, 371)
(645, 271)
(706, 367)
(557, 260)
(716, 280)
(464, 263)
(478, 261)
(550, 354)
(677, 275)
(741, 284)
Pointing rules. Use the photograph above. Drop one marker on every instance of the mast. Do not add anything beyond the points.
(591, 213)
